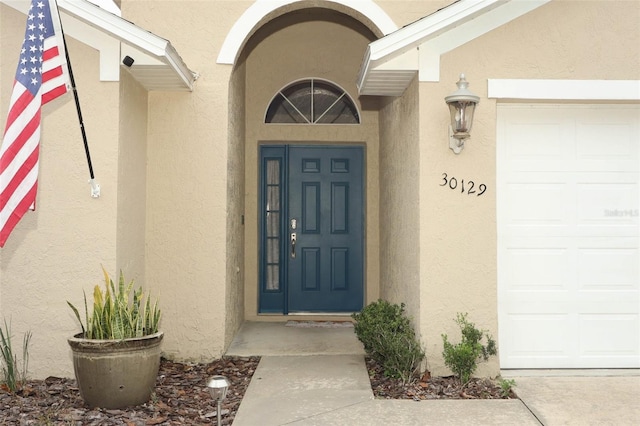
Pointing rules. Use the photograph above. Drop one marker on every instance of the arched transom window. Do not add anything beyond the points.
(312, 101)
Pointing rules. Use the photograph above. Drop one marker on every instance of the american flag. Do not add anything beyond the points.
(41, 77)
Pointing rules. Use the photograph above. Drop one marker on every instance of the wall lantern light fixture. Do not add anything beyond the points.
(462, 104)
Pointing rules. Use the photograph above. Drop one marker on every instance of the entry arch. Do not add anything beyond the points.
(263, 11)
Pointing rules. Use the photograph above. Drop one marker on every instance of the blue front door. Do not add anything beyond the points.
(311, 229)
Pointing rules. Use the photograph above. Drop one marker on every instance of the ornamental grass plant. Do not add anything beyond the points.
(13, 376)
(119, 312)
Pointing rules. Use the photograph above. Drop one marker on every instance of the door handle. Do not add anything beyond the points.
(294, 238)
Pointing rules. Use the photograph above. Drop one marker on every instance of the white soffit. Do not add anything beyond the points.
(391, 62)
(157, 65)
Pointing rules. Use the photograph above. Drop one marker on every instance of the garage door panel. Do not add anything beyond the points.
(601, 202)
(568, 236)
(538, 339)
(607, 135)
(549, 340)
(535, 269)
(613, 141)
(533, 141)
(565, 298)
(528, 203)
(597, 341)
(608, 269)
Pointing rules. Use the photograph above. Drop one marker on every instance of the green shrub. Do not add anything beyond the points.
(389, 338)
(463, 358)
(13, 376)
(118, 313)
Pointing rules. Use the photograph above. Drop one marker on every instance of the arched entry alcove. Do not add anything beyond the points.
(262, 11)
(300, 40)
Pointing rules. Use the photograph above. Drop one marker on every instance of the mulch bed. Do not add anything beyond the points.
(426, 387)
(181, 396)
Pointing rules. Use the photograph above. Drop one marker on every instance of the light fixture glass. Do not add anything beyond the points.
(462, 104)
(218, 386)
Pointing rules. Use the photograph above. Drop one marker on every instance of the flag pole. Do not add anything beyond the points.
(95, 187)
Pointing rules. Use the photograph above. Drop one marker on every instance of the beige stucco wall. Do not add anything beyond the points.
(132, 179)
(193, 215)
(55, 252)
(177, 227)
(561, 40)
(336, 58)
(236, 195)
(400, 201)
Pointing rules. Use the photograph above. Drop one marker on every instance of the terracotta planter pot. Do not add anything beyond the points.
(116, 373)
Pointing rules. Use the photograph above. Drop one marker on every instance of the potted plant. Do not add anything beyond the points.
(116, 357)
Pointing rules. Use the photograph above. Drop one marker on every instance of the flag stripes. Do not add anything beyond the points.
(41, 76)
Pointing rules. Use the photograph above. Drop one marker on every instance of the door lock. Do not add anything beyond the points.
(294, 238)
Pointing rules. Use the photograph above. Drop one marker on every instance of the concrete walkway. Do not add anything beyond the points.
(317, 376)
(588, 397)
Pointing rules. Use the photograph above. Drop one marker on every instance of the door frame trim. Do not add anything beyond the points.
(284, 224)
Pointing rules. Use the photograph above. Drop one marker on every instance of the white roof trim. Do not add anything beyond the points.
(432, 36)
(247, 23)
(108, 5)
(570, 90)
(90, 23)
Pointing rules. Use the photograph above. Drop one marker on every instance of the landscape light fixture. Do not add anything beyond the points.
(218, 386)
(462, 104)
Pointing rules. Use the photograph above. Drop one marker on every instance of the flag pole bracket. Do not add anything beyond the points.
(95, 188)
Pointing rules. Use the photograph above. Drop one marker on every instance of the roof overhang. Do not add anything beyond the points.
(157, 65)
(392, 62)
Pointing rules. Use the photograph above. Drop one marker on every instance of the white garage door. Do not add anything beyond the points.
(568, 236)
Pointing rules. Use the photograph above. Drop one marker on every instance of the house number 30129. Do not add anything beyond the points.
(469, 186)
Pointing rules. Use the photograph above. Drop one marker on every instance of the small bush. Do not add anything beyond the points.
(389, 338)
(463, 358)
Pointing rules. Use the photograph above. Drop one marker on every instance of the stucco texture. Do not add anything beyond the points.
(458, 241)
(193, 214)
(178, 170)
(400, 202)
(55, 252)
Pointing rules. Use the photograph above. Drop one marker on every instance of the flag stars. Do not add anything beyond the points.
(39, 27)
(34, 81)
